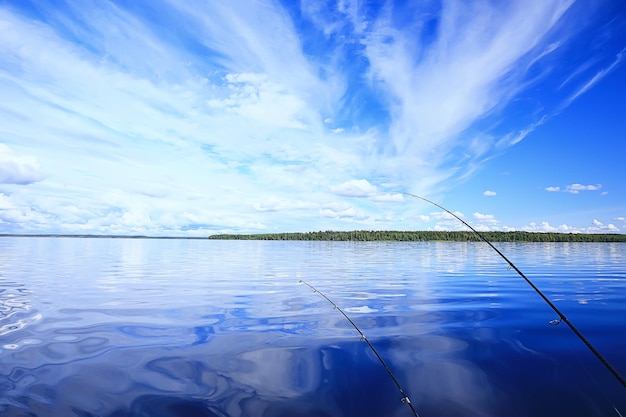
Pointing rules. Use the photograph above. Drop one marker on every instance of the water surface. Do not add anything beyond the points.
(132, 327)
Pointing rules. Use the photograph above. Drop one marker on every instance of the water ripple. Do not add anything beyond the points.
(99, 327)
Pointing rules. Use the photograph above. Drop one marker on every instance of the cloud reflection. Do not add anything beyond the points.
(244, 339)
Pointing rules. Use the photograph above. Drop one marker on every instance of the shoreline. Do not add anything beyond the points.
(370, 236)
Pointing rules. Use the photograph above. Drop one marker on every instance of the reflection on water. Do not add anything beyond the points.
(126, 327)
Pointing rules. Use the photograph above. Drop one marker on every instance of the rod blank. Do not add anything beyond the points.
(405, 398)
(562, 316)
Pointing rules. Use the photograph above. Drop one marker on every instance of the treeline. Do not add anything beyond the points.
(423, 236)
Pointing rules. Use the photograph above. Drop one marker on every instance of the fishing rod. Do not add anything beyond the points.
(405, 398)
(554, 322)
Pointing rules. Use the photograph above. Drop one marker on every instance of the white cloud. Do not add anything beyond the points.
(364, 189)
(597, 77)
(441, 220)
(344, 211)
(484, 217)
(389, 197)
(516, 137)
(468, 71)
(595, 227)
(217, 123)
(273, 203)
(489, 193)
(546, 227)
(486, 222)
(601, 227)
(441, 215)
(187, 143)
(254, 97)
(13, 211)
(574, 188)
(5, 202)
(21, 170)
(355, 188)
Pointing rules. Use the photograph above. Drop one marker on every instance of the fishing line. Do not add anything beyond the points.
(561, 318)
(405, 398)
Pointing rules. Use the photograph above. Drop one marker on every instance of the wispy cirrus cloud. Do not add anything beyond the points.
(439, 84)
(596, 78)
(173, 116)
(127, 107)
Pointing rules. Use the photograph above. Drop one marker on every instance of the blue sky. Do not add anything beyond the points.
(190, 118)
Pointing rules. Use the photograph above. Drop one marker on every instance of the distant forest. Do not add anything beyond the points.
(423, 236)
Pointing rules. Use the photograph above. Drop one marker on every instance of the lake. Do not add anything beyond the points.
(146, 327)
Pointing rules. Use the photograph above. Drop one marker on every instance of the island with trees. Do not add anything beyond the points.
(423, 236)
(376, 236)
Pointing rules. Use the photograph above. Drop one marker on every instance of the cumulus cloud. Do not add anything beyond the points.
(5, 202)
(489, 193)
(355, 188)
(364, 189)
(547, 227)
(13, 211)
(343, 211)
(485, 222)
(595, 227)
(601, 227)
(21, 170)
(484, 217)
(441, 220)
(489, 222)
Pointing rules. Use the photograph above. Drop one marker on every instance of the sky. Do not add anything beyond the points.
(193, 118)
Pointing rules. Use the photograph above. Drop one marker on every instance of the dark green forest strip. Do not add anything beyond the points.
(423, 236)
(379, 235)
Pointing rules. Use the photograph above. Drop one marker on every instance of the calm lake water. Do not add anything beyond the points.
(130, 327)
